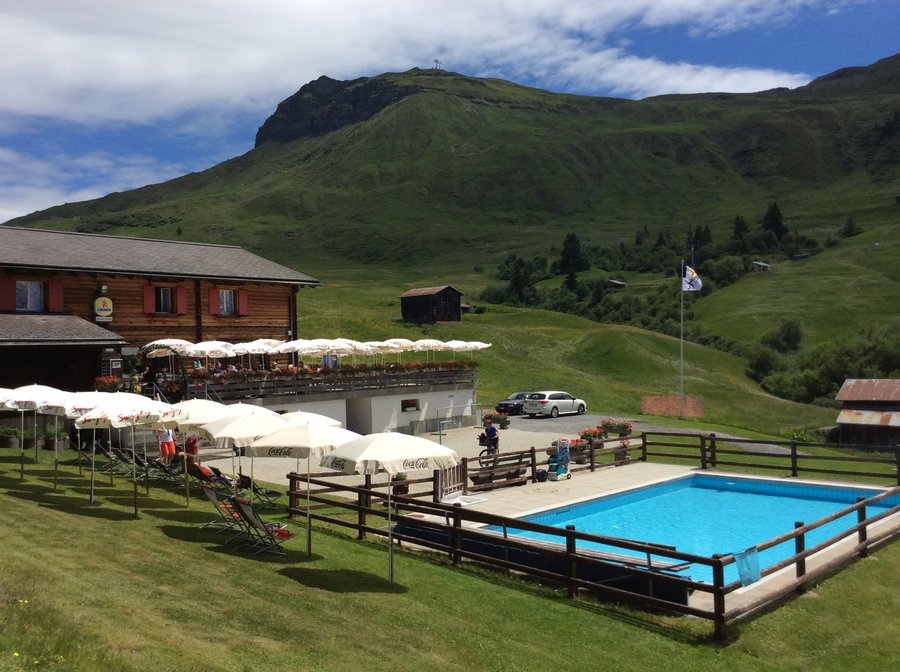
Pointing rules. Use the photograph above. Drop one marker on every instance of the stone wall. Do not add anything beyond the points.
(672, 406)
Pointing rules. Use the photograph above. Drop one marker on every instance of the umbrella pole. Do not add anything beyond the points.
(134, 470)
(146, 465)
(390, 537)
(36, 459)
(93, 462)
(22, 445)
(308, 521)
(55, 452)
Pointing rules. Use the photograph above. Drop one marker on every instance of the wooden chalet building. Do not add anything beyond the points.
(870, 411)
(72, 304)
(431, 304)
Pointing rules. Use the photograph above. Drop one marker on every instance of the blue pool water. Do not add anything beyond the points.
(703, 514)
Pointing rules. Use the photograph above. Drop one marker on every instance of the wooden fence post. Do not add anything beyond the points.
(591, 453)
(643, 446)
(799, 547)
(702, 451)
(465, 475)
(719, 597)
(794, 469)
(571, 561)
(863, 531)
(533, 465)
(455, 535)
(712, 450)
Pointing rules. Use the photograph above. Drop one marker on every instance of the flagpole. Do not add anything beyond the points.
(681, 389)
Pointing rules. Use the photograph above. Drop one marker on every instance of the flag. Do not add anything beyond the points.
(691, 281)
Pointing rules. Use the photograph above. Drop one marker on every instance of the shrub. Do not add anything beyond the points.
(107, 383)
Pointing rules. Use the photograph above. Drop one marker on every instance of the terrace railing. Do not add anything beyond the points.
(650, 575)
(336, 382)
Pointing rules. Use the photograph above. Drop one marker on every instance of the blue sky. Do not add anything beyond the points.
(103, 95)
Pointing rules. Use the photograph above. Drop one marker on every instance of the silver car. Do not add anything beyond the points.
(552, 403)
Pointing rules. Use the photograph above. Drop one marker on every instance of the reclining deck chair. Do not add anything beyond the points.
(228, 518)
(262, 535)
(264, 496)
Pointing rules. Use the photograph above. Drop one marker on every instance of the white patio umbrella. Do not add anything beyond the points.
(30, 398)
(195, 420)
(301, 441)
(240, 431)
(178, 345)
(398, 345)
(124, 409)
(391, 452)
(211, 349)
(306, 417)
(427, 345)
(457, 345)
(289, 347)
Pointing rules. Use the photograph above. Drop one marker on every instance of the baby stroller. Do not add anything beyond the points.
(558, 464)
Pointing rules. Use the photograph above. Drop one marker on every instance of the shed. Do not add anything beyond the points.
(431, 304)
(870, 411)
(758, 267)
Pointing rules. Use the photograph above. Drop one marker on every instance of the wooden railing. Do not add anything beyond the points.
(334, 383)
(643, 573)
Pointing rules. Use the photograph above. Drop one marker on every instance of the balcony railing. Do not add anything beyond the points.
(333, 383)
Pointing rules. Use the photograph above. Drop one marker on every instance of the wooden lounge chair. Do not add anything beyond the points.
(264, 496)
(262, 535)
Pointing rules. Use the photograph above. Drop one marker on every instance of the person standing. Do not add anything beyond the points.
(166, 445)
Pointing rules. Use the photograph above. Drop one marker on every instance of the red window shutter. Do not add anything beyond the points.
(7, 294)
(180, 301)
(241, 301)
(54, 296)
(149, 299)
(213, 301)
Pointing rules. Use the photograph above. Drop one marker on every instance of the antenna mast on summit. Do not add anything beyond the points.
(437, 64)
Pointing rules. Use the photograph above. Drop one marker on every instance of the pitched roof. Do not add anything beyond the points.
(19, 329)
(428, 291)
(67, 251)
(870, 389)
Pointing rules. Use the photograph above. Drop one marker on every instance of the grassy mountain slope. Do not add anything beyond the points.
(460, 171)
(610, 366)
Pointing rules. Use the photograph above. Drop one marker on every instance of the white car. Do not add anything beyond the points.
(552, 403)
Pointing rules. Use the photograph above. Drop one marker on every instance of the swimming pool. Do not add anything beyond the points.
(706, 514)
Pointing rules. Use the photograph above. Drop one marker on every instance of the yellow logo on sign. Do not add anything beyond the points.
(103, 306)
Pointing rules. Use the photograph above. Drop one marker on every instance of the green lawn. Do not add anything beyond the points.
(88, 587)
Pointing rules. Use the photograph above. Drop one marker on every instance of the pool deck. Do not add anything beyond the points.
(533, 497)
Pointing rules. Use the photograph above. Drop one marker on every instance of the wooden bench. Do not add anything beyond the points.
(502, 468)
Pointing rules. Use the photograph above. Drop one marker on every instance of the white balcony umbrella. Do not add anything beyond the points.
(391, 452)
(198, 418)
(457, 345)
(290, 347)
(398, 345)
(427, 345)
(211, 349)
(178, 345)
(301, 441)
(261, 346)
(306, 417)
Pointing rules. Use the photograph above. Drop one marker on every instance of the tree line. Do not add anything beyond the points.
(777, 362)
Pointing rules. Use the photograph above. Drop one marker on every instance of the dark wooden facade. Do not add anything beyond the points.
(870, 411)
(431, 304)
(137, 291)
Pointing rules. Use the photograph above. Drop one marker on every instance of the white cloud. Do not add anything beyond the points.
(29, 183)
(95, 61)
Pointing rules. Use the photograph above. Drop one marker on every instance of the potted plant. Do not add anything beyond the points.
(499, 419)
(10, 437)
(401, 488)
(55, 439)
(107, 383)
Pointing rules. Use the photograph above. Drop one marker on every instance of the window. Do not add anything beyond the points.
(409, 405)
(164, 300)
(226, 302)
(29, 296)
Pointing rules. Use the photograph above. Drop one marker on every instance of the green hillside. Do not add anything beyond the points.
(418, 178)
